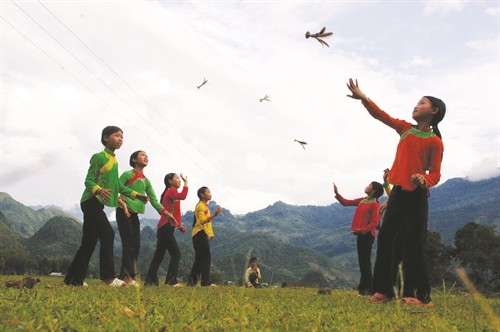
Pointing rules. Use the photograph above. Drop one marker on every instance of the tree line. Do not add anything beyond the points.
(476, 248)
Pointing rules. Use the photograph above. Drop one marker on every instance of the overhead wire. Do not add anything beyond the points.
(70, 73)
(135, 91)
(115, 93)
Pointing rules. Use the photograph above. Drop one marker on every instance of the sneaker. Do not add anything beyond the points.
(379, 298)
(415, 301)
(178, 285)
(85, 285)
(117, 283)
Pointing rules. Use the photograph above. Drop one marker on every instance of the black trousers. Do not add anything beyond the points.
(130, 233)
(202, 260)
(165, 241)
(364, 245)
(96, 227)
(402, 239)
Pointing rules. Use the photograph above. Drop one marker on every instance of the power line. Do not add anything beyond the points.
(71, 74)
(102, 81)
(136, 92)
(111, 89)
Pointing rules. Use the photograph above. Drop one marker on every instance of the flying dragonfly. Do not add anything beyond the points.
(301, 143)
(320, 35)
(202, 84)
(266, 97)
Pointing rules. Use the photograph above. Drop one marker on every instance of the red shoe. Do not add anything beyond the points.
(415, 301)
(379, 298)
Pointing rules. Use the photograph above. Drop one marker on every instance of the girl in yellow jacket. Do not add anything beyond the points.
(202, 230)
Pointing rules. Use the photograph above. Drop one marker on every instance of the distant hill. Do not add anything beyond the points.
(60, 236)
(459, 201)
(24, 220)
(290, 240)
(11, 247)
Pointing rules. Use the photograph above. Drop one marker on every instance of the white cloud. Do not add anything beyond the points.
(418, 61)
(440, 8)
(484, 169)
(221, 135)
(492, 11)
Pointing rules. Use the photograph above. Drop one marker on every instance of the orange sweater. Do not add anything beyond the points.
(417, 151)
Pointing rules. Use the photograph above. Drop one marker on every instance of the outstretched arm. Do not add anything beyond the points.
(399, 125)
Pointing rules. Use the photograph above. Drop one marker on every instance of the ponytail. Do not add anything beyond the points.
(441, 106)
(436, 131)
(166, 180)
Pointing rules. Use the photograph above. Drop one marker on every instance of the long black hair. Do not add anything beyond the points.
(441, 106)
(166, 180)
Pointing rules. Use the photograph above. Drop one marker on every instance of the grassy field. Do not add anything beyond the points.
(51, 306)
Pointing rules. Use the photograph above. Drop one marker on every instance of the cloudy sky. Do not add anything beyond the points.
(70, 68)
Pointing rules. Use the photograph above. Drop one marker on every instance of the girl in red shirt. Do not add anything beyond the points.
(416, 168)
(170, 199)
(364, 224)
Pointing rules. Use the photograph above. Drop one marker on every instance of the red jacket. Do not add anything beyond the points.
(171, 201)
(366, 217)
(417, 152)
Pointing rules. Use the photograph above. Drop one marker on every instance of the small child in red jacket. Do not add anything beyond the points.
(364, 224)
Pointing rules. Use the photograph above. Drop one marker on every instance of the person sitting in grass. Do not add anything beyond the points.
(252, 274)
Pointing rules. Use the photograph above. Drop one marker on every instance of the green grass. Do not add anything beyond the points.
(100, 308)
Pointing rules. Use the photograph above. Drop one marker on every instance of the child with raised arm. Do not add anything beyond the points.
(102, 186)
(416, 168)
(171, 201)
(127, 214)
(364, 225)
(202, 230)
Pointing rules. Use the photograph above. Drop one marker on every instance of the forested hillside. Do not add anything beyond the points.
(291, 241)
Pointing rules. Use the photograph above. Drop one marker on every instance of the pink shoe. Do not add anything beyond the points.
(415, 301)
(379, 298)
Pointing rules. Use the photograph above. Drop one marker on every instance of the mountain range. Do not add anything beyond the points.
(291, 241)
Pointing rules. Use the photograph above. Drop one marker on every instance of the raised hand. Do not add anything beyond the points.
(184, 178)
(335, 190)
(386, 174)
(355, 90)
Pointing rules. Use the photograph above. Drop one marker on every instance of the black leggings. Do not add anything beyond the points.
(130, 233)
(402, 240)
(364, 243)
(165, 240)
(202, 260)
(96, 227)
